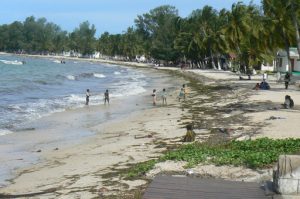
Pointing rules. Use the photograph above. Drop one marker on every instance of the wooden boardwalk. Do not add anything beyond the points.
(170, 187)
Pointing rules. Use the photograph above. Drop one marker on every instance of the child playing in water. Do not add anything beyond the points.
(181, 94)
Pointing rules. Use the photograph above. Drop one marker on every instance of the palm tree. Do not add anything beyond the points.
(280, 24)
(293, 7)
(236, 28)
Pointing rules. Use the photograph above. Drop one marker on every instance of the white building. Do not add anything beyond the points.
(141, 58)
(97, 55)
(282, 61)
(268, 66)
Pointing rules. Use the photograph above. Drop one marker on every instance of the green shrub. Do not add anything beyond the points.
(259, 153)
(252, 153)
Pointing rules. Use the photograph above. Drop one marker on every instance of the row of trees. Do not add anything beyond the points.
(248, 34)
(40, 36)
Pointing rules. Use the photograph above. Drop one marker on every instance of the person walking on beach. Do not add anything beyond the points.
(287, 79)
(154, 97)
(164, 97)
(265, 77)
(87, 96)
(106, 97)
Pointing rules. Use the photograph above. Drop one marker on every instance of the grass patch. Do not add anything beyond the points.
(259, 153)
(254, 154)
(140, 169)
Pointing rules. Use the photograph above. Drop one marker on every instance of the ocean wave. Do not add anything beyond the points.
(22, 113)
(15, 62)
(57, 61)
(41, 82)
(5, 132)
(125, 89)
(86, 75)
(74, 99)
(99, 75)
(117, 73)
(70, 77)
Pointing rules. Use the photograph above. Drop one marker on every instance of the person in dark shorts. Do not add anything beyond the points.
(87, 96)
(106, 97)
(287, 79)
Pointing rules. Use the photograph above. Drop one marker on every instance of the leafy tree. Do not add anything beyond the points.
(158, 28)
(279, 23)
(4, 37)
(83, 39)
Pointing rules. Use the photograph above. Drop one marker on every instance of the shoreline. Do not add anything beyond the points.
(78, 171)
(46, 153)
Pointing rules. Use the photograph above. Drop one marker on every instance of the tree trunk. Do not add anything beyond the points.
(212, 60)
(296, 25)
(287, 49)
(219, 64)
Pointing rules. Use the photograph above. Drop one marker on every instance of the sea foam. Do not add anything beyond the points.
(99, 75)
(15, 62)
(5, 132)
(70, 77)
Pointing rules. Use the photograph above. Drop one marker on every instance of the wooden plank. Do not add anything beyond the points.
(206, 187)
(189, 194)
(165, 187)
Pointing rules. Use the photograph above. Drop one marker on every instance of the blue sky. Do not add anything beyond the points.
(113, 16)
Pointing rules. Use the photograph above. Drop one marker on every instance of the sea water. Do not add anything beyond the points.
(43, 86)
(34, 89)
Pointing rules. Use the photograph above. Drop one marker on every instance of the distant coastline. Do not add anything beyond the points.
(105, 61)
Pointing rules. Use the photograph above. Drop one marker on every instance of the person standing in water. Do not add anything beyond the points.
(106, 96)
(154, 97)
(87, 96)
(181, 94)
(184, 91)
(164, 97)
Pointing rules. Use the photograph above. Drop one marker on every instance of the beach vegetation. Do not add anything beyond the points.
(140, 169)
(255, 154)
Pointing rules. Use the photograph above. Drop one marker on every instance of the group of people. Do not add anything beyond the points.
(163, 95)
(88, 94)
(288, 101)
(265, 86)
(181, 95)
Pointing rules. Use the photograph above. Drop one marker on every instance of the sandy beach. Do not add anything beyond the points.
(80, 170)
